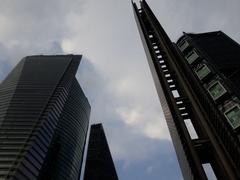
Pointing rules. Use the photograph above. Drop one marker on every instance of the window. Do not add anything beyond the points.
(209, 171)
(183, 45)
(191, 130)
(175, 94)
(233, 116)
(202, 71)
(216, 90)
(191, 56)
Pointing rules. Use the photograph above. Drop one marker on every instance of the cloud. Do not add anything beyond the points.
(126, 122)
(35, 27)
(134, 127)
(197, 16)
(148, 120)
(158, 165)
(126, 88)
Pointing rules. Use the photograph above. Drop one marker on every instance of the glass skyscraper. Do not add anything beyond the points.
(44, 118)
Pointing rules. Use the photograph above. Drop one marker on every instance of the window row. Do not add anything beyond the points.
(213, 84)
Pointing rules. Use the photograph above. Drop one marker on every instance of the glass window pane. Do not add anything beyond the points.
(202, 72)
(183, 45)
(233, 116)
(216, 90)
(192, 56)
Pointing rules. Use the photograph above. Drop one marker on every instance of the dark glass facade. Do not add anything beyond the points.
(44, 117)
(197, 83)
(99, 163)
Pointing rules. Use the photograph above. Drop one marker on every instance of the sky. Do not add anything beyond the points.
(114, 72)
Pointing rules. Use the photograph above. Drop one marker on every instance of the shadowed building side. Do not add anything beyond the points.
(99, 163)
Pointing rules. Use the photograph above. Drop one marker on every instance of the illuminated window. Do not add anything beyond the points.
(202, 72)
(183, 45)
(233, 116)
(192, 56)
(216, 90)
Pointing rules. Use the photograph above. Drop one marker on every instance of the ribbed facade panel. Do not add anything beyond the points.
(33, 98)
(69, 139)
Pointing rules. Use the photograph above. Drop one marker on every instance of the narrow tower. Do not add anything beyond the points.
(99, 163)
(197, 84)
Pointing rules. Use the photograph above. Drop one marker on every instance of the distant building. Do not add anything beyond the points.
(99, 163)
(44, 118)
(198, 83)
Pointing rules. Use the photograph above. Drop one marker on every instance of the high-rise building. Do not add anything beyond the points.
(99, 163)
(44, 118)
(197, 80)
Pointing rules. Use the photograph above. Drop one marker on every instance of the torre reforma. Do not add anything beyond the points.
(198, 84)
(44, 117)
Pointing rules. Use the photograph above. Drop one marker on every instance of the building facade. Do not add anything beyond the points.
(213, 58)
(99, 163)
(44, 119)
(197, 80)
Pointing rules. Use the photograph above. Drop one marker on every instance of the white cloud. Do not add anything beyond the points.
(150, 122)
(35, 27)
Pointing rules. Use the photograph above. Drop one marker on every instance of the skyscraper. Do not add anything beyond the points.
(44, 119)
(99, 163)
(197, 81)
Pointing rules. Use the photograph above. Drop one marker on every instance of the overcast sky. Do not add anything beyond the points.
(114, 72)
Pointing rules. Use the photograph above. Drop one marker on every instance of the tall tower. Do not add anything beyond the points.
(44, 118)
(197, 81)
(99, 163)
